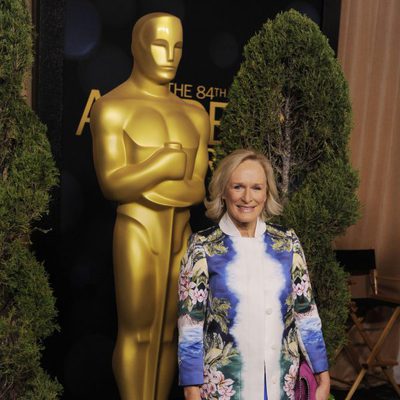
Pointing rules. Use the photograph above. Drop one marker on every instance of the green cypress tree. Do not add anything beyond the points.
(290, 101)
(27, 173)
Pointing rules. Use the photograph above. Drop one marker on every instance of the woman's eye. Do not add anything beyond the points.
(236, 187)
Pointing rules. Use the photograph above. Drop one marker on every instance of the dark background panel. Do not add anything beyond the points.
(84, 45)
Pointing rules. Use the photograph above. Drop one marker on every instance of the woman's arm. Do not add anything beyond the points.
(193, 292)
(192, 393)
(308, 322)
(324, 385)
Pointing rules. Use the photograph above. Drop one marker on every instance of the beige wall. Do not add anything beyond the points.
(369, 51)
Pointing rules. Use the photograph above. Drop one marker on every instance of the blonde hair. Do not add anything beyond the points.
(219, 181)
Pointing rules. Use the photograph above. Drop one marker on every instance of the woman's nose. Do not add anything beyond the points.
(247, 195)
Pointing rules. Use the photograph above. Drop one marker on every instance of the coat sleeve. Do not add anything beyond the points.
(193, 292)
(306, 315)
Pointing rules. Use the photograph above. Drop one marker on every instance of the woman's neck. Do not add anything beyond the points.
(246, 233)
(246, 229)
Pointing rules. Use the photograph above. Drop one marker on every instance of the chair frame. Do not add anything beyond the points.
(364, 262)
(374, 353)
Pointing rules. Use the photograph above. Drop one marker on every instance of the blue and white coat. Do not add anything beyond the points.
(246, 313)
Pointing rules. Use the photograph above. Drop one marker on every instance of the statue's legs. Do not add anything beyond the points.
(147, 258)
(137, 283)
(168, 353)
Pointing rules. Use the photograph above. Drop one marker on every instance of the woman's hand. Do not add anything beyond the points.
(192, 392)
(324, 386)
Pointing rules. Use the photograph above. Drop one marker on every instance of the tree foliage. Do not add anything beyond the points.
(27, 173)
(290, 101)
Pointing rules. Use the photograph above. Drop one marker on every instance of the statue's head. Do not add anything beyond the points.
(157, 40)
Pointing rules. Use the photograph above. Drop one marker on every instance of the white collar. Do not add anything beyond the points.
(229, 228)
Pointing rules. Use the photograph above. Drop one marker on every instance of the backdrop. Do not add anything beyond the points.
(84, 51)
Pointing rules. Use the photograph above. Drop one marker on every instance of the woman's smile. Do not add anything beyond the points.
(245, 196)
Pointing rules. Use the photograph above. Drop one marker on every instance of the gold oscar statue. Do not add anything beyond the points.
(150, 155)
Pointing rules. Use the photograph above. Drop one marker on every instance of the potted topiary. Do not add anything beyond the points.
(27, 173)
(290, 101)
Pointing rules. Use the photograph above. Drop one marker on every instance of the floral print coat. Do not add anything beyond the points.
(246, 313)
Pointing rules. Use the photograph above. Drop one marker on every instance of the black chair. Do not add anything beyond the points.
(365, 284)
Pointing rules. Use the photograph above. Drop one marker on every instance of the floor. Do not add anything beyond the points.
(384, 392)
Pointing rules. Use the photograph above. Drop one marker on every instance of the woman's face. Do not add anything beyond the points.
(246, 193)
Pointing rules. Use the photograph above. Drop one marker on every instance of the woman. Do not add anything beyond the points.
(246, 310)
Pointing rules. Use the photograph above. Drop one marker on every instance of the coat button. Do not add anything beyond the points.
(268, 311)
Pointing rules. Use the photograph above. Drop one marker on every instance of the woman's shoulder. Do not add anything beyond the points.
(278, 230)
(210, 234)
(283, 238)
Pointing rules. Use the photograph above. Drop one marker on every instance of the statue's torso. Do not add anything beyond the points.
(146, 126)
(151, 124)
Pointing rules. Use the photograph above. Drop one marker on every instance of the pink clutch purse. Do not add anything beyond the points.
(306, 384)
